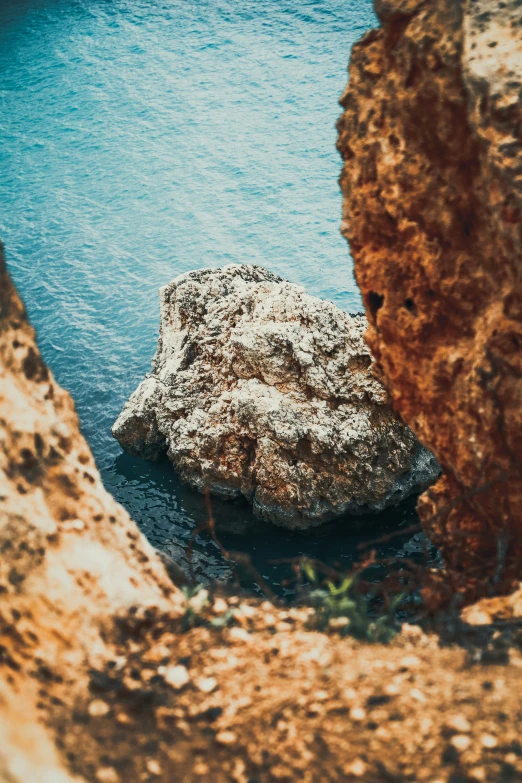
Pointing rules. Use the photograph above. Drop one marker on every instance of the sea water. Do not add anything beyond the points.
(141, 139)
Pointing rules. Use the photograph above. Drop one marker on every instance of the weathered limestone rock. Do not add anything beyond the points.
(261, 390)
(432, 183)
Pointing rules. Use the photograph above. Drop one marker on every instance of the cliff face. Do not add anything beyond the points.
(432, 183)
(71, 559)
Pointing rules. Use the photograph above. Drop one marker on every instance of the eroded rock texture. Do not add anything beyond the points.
(71, 559)
(261, 390)
(432, 183)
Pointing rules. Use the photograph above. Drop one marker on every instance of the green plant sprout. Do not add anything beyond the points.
(343, 608)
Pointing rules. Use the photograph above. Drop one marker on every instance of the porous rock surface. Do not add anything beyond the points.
(261, 390)
(432, 182)
(71, 559)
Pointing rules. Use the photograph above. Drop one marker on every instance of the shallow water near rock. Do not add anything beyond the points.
(142, 140)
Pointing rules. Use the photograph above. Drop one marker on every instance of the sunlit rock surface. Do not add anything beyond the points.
(432, 183)
(71, 561)
(260, 390)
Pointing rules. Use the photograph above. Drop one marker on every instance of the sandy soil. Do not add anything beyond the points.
(265, 699)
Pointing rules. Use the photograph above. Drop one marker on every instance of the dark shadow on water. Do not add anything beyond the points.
(167, 512)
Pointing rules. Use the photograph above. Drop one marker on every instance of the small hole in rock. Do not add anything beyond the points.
(375, 302)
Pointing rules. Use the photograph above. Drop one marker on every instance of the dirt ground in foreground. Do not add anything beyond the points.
(265, 699)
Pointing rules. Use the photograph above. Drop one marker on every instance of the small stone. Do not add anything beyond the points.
(219, 606)
(410, 662)
(226, 738)
(391, 689)
(474, 615)
(416, 694)
(357, 714)
(459, 724)
(382, 733)
(123, 718)
(98, 708)
(219, 653)
(412, 631)
(280, 772)
(321, 695)
(153, 767)
(357, 768)
(157, 653)
(338, 622)
(460, 742)
(247, 610)
(426, 725)
(488, 741)
(199, 601)
(200, 768)
(184, 727)
(107, 775)
(238, 773)
(477, 773)
(175, 676)
(131, 684)
(206, 684)
(239, 635)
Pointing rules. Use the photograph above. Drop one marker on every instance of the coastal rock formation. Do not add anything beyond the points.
(71, 559)
(261, 390)
(103, 679)
(432, 181)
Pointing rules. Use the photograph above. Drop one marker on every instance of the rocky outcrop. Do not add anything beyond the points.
(72, 560)
(103, 679)
(261, 390)
(432, 183)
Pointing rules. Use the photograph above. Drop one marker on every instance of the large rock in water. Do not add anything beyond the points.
(261, 390)
(432, 181)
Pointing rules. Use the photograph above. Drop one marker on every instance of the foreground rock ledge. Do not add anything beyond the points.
(260, 390)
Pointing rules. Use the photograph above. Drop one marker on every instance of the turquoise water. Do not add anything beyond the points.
(142, 139)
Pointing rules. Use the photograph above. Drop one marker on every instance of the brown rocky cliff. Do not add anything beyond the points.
(432, 184)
